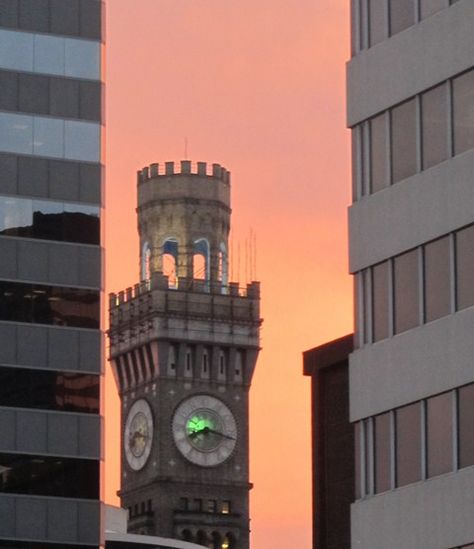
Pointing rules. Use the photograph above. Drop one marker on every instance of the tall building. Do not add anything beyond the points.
(184, 343)
(50, 273)
(332, 438)
(411, 111)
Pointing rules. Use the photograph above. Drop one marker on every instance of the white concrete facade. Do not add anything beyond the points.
(414, 365)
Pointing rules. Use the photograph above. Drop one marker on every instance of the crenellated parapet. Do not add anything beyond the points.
(183, 167)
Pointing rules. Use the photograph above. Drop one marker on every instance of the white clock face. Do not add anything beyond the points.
(204, 430)
(138, 434)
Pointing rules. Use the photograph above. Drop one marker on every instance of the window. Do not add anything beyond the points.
(357, 459)
(49, 476)
(406, 291)
(380, 294)
(225, 507)
(55, 305)
(408, 444)
(402, 15)
(465, 267)
(49, 220)
(378, 153)
(49, 137)
(466, 425)
(46, 54)
(439, 434)
(434, 123)
(382, 446)
(404, 140)
(198, 504)
(211, 506)
(49, 390)
(376, 22)
(437, 279)
(172, 358)
(463, 112)
(183, 504)
(429, 7)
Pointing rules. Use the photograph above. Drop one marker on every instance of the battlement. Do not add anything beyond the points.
(183, 167)
(154, 310)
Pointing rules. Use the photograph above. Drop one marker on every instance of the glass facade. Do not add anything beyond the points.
(50, 207)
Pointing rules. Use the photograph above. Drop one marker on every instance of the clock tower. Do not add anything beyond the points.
(183, 345)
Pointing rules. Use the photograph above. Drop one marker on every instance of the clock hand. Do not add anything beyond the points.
(205, 430)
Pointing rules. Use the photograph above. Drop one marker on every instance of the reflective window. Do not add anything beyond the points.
(463, 112)
(49, 476)
(434, 123)
(49, 390)
(408, 444)
(46, 54)
(49, 220)
(380, 294)
(466, 425)
(465, 267)
(404, 140)
(440, 434)
(428, 7)
(378, 153)
(376, 21)
(53, 137)
(55, 305)
(402, 15)
(437, 279)
(406, 291)
(382, 453)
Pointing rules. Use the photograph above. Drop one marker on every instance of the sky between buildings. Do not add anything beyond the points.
(258, 86)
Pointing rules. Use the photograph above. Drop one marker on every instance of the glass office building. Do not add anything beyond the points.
(411, 111)
(51, 196)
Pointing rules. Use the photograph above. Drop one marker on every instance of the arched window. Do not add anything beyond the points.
(187, 535)
(170, 261)
(201, 538)
(201, 259)
(145, 267)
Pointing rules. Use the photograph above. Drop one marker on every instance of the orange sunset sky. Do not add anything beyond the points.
(258, 86)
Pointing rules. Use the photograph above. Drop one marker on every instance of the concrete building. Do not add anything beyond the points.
(50, 273)
(410, 108)
(116, 536)
(184, 343)
(332, 438)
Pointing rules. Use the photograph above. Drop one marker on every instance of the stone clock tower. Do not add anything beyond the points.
(183, 344)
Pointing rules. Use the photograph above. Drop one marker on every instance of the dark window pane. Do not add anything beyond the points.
(380, 300)
(406, 291)
(366, 304)
(40, 304)
(466, 426)
(440, 434)
(402, 15)
(428, 7)
(11, 544)
(463, 106)
(404, 143)
(49, 220)
(378, 153)
(434, 113)
(49, 476)
(408, 444)
(357, 463)
(49, 390)
(382, 453)
(465, 267)
(437, 287)
(376, 21)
